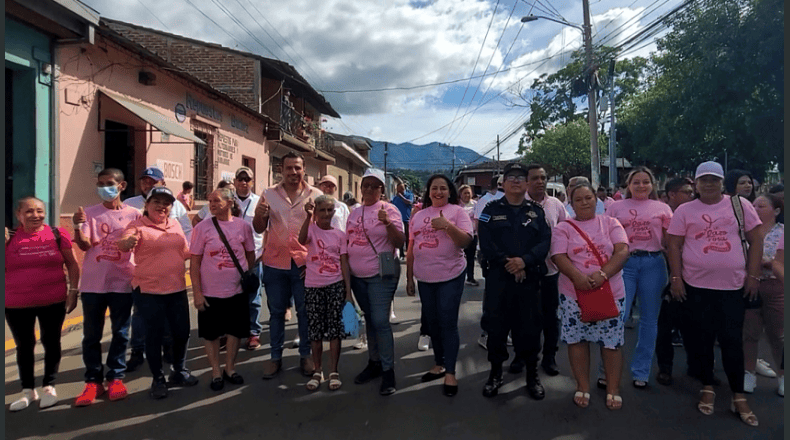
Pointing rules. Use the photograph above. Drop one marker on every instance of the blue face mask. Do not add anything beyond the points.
(108, 193)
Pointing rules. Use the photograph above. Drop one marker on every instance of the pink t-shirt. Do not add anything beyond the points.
(712, 252)
(436, 257)
(219, 277)
(159, 256)
(105, 268)
(324, 248)
(607, 203)
(34, 275)
(362, 260)
(604, 232)
(644, 222)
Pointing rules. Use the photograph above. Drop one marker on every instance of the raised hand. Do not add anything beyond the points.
(79, 216)
(383, 217)
(129, 242)
(262, 210)
(309, 207)
(440, 223)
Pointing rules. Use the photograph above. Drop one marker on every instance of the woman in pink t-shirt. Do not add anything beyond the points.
(438, 234)
(770, 315)
(222, 305)
(645, 220)
(713, 280)
(375, 228)
(327, 286)
(159, 283)
(35, 288)
(580, 269)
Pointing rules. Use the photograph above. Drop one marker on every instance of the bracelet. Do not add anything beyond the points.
(672, 279)
(603, 274)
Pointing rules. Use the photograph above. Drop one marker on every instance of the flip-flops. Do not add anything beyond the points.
(581, 399)
(614, 402)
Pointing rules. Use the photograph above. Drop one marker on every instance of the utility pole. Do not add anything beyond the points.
(386, 148)
(595, 160)
(452, 171)
(612, 131)
(497, 154)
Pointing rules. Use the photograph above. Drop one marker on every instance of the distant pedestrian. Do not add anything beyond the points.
(711, 276)
(466, 202)
(327, 286)
(740, 182)
(106, 284)
(439, 233)
(159, 283)
(185, 196)
(404, 201)
(36, 289)
(222, 305)
(580, 269)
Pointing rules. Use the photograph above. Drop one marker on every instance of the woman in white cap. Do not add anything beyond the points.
(375, 228)
(713, 277)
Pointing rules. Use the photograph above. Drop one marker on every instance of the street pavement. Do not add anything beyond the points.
(282, 408)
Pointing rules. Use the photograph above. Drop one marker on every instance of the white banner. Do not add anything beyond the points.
(172, 170)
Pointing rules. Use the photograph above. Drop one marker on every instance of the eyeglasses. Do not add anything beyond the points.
(371, 185)
(516, 179)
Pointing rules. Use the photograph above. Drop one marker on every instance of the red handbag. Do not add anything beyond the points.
(596, 304)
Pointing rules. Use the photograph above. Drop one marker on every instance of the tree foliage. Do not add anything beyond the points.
(564, 150)
(719, 87)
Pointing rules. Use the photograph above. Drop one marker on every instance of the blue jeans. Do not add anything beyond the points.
(255, 304)
(281, 286)
(374, 296)
(158, 312)
(644, 277)
(94, 307)
(440, 304)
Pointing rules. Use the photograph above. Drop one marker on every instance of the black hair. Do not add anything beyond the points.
(583, 184)
(115, 173)
(494, 181)
(187, 185)
(731, 182)
(776, 189)
(293, 155)
(452, 200)
(534, 166)
(675, 184)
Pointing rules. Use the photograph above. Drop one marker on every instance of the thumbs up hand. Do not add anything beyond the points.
(440, 223)
(309, 206)
(129, 240)
(79, 217)
(383, 217)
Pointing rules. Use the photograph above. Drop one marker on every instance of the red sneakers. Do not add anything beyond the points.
(91, 391)
(117, 390)
(253, 342)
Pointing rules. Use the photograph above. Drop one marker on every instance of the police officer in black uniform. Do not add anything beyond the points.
(514, 240)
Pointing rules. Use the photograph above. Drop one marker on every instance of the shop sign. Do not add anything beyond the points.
(203, 109)
(226, 148)
(238, 124)
(171, 170)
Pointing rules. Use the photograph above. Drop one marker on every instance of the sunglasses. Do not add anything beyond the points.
(244, 179)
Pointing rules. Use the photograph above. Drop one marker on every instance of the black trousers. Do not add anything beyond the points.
(469, 252)
(550, 301)
(22, 323)
(669, 319)
(512, 308)
(710, 315)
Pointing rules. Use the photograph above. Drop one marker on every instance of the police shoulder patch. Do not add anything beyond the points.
(484, 218)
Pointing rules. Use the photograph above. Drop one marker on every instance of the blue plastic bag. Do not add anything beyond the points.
(350, 321)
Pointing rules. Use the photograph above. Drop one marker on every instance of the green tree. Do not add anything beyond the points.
(719, 88)
(564, 150)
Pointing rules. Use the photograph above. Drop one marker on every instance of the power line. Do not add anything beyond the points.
(152, 14)
(217, 25)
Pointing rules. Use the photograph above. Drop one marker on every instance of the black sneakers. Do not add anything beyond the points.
(135, 360)
(159, 388)
(372, 371)
(387, 383)
(182, 378)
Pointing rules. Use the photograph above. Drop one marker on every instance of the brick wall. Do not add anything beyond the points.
(228, 72)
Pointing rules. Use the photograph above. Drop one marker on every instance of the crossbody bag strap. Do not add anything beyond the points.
(589, 242)
(366, 232)
(738, 208)
(227, 245)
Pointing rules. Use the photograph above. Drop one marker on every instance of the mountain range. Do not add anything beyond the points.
(428, 157)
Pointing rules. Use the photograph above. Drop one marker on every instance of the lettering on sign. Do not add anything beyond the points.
(203, 109)
(171, 170)
(226, 148)
(227, 175)
(238, 124)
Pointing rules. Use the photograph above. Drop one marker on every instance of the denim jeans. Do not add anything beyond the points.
(374, 296)
(255, 304)
(94, 307)
(644, 277)
(22, 323)
(281, 286)
(158, 312)
(137, 340)
(440, 305)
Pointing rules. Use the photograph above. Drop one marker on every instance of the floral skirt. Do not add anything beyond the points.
(324, 307)
(608, 333)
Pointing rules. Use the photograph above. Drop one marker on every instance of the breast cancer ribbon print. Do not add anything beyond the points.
(641, 229)
(225, 258)
(590, 255)
(427, 235)
(717, 238)
(328, 264)
(108, 246)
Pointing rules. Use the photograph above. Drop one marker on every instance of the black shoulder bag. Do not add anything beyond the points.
(249, 280)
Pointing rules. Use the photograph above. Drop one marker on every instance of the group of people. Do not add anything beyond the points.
(697, 264)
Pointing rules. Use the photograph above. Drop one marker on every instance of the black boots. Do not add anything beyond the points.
(491, 388)
(534, 388)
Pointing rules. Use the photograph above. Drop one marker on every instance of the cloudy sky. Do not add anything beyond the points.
(352, 45)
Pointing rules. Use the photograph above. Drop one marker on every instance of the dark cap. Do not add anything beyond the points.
(154, 173)
(516, 166)
(161, 191)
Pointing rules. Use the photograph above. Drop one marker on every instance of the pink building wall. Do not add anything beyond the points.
(87, 68)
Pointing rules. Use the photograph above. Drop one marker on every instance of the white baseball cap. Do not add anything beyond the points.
(375, 173)
(709, 168)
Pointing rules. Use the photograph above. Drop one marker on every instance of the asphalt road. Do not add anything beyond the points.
(282, 409)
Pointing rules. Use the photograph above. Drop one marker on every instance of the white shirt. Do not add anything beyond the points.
(341, 216)
(178, 212)
(599, 208)
(487, 197)
(247, 213)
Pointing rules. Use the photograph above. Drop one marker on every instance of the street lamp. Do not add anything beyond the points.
(595, 161)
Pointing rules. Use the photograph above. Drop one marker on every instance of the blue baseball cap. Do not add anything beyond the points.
(154, 173)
